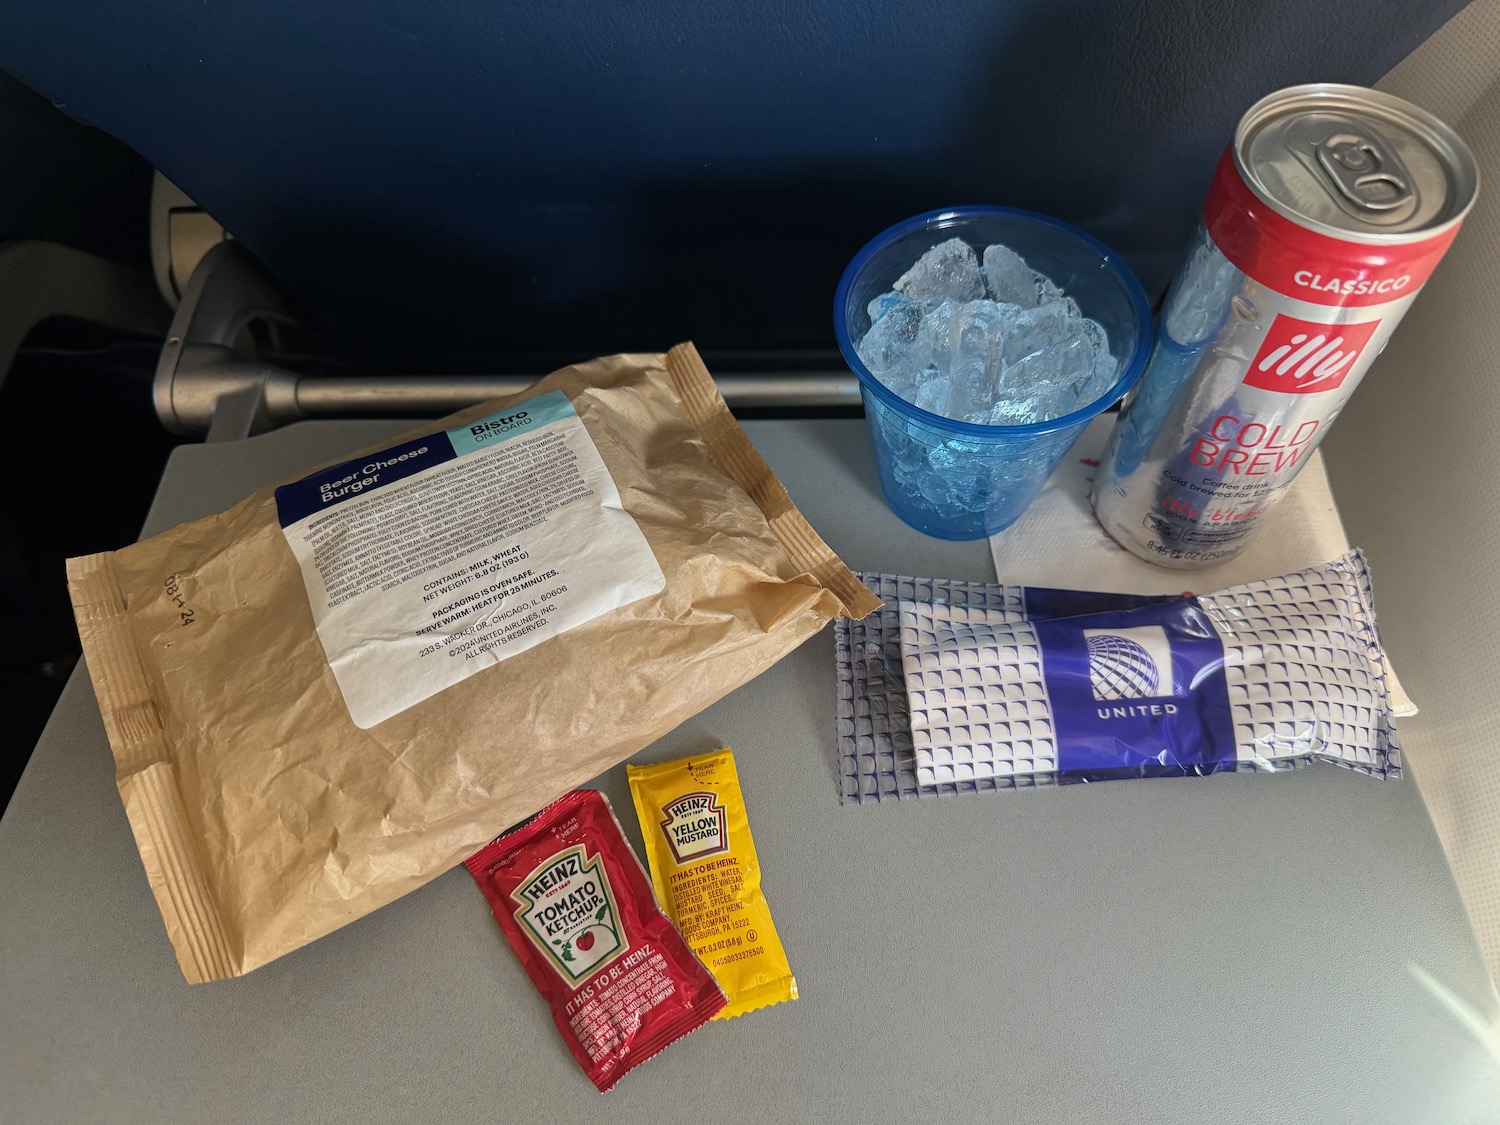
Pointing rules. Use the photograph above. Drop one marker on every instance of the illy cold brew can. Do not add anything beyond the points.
(1327, 213)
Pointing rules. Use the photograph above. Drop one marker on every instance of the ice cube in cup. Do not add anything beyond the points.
(888, 348)
(947, 272)
(1008, 277)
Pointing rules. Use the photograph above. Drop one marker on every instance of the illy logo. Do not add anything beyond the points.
(1302, 357)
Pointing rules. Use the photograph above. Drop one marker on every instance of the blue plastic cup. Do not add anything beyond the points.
(959, 480)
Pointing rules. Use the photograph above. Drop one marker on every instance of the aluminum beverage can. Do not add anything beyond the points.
(1326, 215)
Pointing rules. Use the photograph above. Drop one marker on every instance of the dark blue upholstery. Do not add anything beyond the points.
(589, 176)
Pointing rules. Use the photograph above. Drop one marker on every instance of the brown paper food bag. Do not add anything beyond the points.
(334, 691)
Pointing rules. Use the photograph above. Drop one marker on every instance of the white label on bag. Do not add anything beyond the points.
(448, 553)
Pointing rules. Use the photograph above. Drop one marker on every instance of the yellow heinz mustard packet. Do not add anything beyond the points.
(707, 876)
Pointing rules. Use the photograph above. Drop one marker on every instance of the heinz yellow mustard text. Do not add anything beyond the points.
(707, 876)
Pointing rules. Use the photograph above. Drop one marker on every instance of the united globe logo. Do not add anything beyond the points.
(1129, 663)
(1121, 669)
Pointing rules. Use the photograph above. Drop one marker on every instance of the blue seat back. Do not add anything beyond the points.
(582, 176)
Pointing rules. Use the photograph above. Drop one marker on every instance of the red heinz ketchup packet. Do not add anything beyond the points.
(577, 908)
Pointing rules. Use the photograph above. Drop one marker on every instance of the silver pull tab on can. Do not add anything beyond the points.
(1365, 173)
